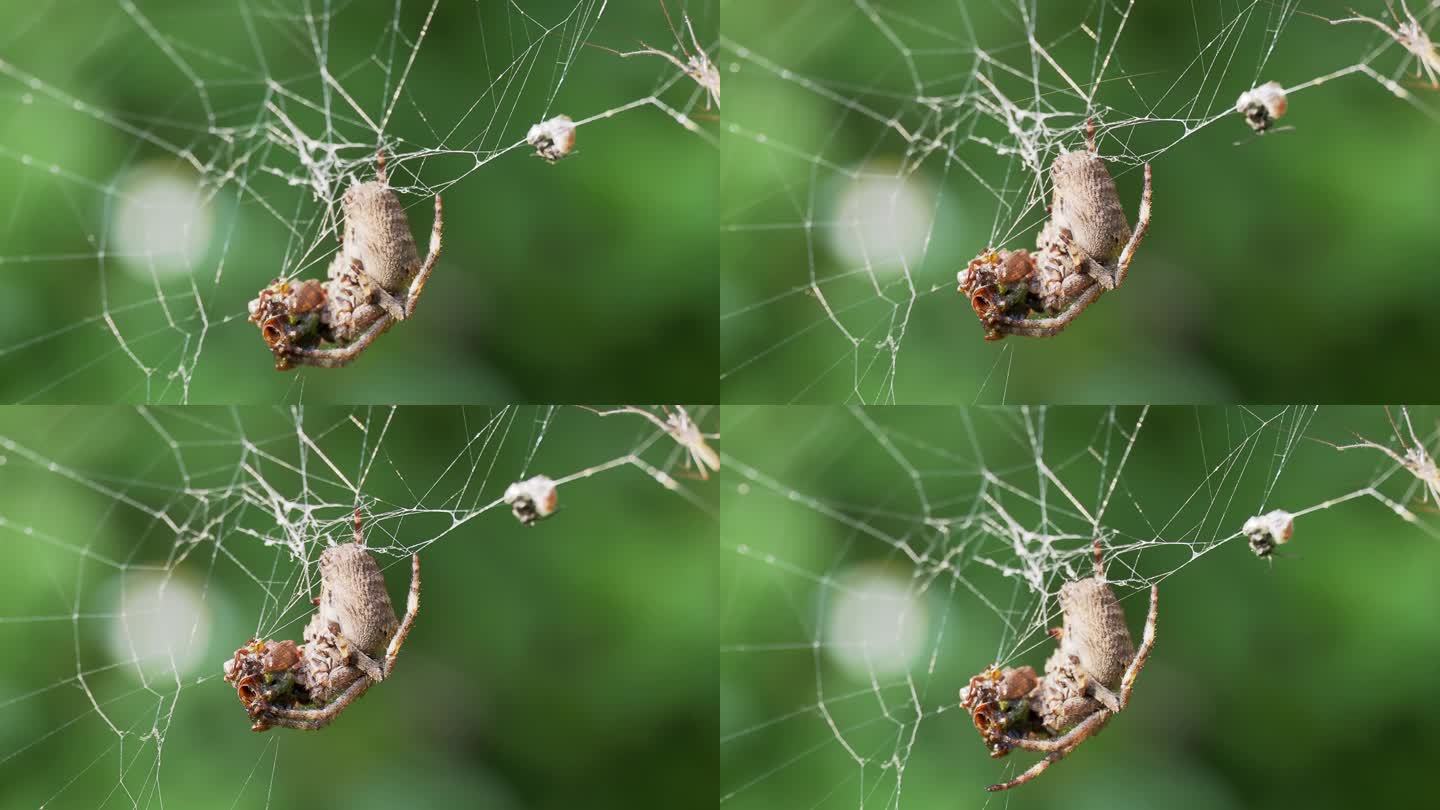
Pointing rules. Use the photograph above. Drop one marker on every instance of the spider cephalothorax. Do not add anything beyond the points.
(351, 644)
(374, 280)
(1087, 679)
(1084, 249)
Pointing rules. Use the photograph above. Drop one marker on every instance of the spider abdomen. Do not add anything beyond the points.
(1087, 204)
(353, 597)
(377, 233)
(1095, 631)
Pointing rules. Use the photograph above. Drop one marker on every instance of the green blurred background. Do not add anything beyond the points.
(1300, 265)
(590, 280)
(570, 664)
(1299, 682)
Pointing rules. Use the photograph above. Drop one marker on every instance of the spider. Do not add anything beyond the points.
(1088, 679)
(351, 644)
(1084, 249)
(375, 280)
(1416, 460)
(683, 430)
(697, 65)
(1410, 36)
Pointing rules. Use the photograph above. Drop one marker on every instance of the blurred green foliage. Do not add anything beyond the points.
(1299, 265)
(570, 664)
(1298, 682)
(591, 280)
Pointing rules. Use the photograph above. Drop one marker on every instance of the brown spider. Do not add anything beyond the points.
(697, 65)
(375, 280)
(351, 644)
(1084, 249)
(1088, 679)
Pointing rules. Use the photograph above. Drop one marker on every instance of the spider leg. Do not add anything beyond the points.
(704, 456)
(372, 668)
(1147, 642)
(1056, 749)
(655, 420)
(383, 298)
(412, 609)
(417, 286)
(390, 304)
(1048, 327)
(1142, 224)
(337, 357)
(1082, 731)
(1107, 698)
(1034, 771)
(311, 719)
(649, 51)
(1077, 283)
(694, 39)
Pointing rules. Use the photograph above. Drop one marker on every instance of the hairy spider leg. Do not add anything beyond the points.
(1142, 224)
(311, 719)
(412, 609)
(1147, 642)
(1056, 749)
(417, 285)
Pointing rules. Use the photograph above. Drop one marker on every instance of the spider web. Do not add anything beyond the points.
(877, 558)
(163, 161)
(144, 546)
(873, 147)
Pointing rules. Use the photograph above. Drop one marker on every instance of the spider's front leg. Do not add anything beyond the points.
(360, 659)
(337, 357)
(417, 285)
(412, 609)
(1142, 224)
(1147, 643)
(1056, 749)
(1084, 269)
(312, 719)
(392, 305)
(1048, 327)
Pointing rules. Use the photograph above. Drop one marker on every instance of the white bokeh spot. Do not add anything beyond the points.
(882, 221)
(161, 623)
(877, 624)
(163, 221)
